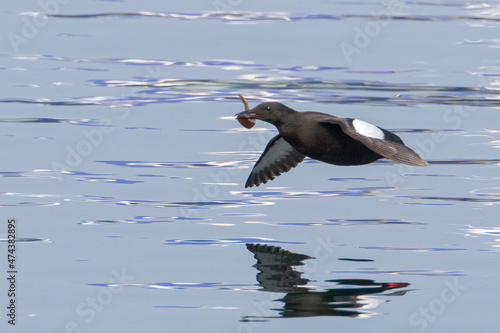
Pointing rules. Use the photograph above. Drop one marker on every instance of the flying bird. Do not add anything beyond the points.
(323, 137)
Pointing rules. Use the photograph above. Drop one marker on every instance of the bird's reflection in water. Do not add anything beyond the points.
(346, 299)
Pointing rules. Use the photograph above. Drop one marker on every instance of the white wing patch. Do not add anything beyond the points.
(367, 129)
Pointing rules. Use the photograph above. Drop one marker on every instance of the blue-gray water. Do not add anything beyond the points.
(125, 168)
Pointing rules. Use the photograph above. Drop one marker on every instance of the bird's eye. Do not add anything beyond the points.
(268, 108)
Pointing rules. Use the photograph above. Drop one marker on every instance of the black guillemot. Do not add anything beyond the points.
(323, 137)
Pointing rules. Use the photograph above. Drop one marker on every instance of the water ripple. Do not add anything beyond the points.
(490, 43)
(371, 221)
(200, 307)
(89, 177)
(494, 232)
(75, 175)
(353, 179)
(183, 285)
(267, 87)
(262, 88)
(226, 241)
(35, 174)
(142, 220)
(30, 204)
(81, 122)
(236, 17)
(225, 64)
(361, 191)
(287, 82)
(131, 202)
(345, 222)
(28, 240)
(193, 204)
(198, 164)
(453, 199)
(425, 272)
(417, 249)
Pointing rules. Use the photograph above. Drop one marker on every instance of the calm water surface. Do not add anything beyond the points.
(125, 168)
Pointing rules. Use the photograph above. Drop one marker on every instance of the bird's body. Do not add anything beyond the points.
(324, 141)
(323, 137)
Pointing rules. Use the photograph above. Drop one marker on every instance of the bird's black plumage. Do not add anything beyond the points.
(339, 141)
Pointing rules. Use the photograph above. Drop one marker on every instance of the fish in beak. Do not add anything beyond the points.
(246, 118)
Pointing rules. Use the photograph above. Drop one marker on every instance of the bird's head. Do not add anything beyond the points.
(270, 112)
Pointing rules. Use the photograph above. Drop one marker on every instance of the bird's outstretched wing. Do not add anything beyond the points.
(278, 157)
(381, 141)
